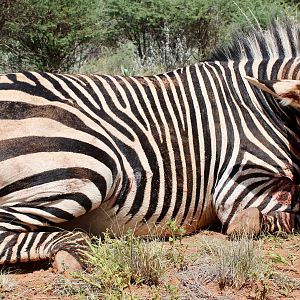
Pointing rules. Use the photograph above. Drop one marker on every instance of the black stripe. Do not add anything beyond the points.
(40, 202)
(56, 175)
(32, 236)
(8, 247)
(19, 249)
(19, 110)
(34, 144)
(196, 139)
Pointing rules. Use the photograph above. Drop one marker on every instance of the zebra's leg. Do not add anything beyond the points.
(29, 221)
(251, 221)
(248, 221)
(65, 248)
(278, 221)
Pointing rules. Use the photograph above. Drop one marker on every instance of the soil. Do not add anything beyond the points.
(39, 281)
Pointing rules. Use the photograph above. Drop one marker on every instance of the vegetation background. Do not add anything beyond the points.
(130, 37)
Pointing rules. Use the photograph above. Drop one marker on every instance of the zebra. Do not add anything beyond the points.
(214, 141)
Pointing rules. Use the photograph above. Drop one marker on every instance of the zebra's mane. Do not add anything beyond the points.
(279, 40)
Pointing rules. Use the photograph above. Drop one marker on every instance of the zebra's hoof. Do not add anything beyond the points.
(247, 222)
(65, 263)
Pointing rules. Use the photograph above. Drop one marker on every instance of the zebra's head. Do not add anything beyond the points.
(285, 90)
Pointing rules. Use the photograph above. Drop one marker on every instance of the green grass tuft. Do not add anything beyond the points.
(115, 264)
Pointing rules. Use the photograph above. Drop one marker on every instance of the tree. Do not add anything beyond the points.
(56, 35)
(167, 31)
(49, 35)
(174, 33)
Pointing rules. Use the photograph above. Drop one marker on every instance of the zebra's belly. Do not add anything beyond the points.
(95, 222)
(103, 220)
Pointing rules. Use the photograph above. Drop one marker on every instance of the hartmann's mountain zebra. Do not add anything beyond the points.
(197, 144)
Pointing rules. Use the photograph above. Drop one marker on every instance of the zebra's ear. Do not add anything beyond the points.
(287, 91)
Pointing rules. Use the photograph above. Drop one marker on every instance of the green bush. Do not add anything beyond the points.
(115, 264)
(48, 35)
(123, 36)
(166, 34)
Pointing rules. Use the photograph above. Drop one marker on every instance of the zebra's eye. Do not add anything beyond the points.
(287, 91)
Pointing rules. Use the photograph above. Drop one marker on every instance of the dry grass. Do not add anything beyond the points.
(231, 263)
(135, 268)
(116, 265)
(67, 287)
(6, 284)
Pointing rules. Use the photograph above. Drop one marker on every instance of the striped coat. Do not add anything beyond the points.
(198, 144)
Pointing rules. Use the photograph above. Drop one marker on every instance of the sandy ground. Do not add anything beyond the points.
(38, 281)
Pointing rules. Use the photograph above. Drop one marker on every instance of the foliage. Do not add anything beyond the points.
(48, 35)
(167, 34)
(117, 263)
(117, 266)
(164, 31)
(240, 14)
(176, 253)
(115, 61)
(61, 35)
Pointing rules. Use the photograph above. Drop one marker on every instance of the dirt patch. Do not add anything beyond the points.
(283, 254)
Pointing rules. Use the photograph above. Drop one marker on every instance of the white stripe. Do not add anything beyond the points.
(44, 127)
(31, 164)
(191, 151)
(145, 100)
(200, 134)
(212, 130)
(53, 188)
(80, 88)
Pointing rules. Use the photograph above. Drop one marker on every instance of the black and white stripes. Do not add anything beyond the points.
(196, 144)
